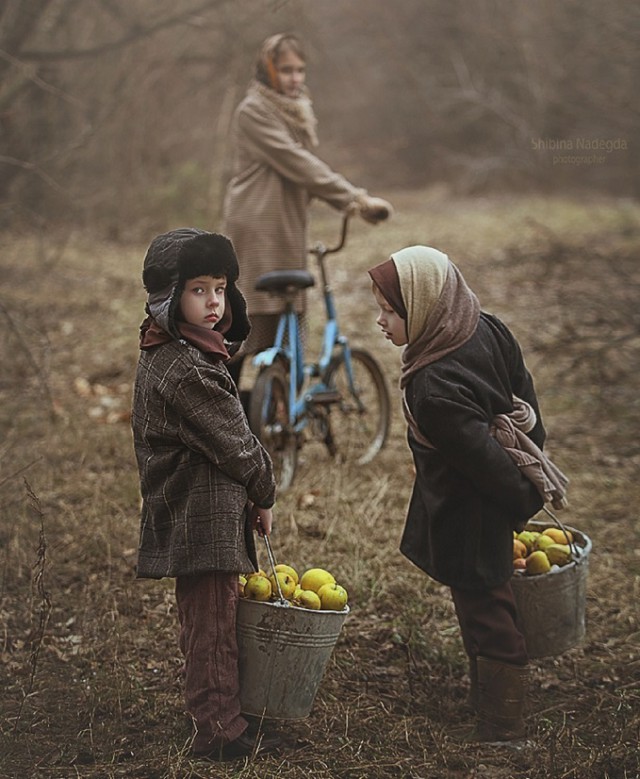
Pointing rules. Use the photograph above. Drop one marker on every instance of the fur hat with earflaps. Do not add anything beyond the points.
(179, 255)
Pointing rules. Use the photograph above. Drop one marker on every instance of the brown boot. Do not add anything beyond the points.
(502, 690)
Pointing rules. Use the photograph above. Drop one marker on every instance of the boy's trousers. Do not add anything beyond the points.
(488, 622)
(207, 606)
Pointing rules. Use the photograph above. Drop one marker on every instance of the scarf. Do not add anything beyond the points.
(442, 312)
(385, 277)
(297, 112)
(424, 287)
(510, 431)
(210, 342)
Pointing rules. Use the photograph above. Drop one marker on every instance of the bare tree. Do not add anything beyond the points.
(116, 112)
(73, 79)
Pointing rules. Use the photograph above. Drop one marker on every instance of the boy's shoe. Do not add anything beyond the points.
(245, 745)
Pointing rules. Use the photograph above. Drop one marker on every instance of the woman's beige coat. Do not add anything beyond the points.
(274, 176)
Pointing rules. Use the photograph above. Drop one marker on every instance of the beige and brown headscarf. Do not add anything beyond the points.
(441, 311)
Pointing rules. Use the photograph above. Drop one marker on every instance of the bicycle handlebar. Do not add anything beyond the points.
(321, 250)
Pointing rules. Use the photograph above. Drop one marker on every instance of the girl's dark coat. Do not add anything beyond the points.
(199, 464)
(469, 495)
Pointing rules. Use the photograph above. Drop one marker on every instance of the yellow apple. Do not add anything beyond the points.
(308, 599)
(287, 584)
(538, 563)
(259, 572)
(558, 535)
(282, 568)
(314, 578)
(528, 538)
(542, 542)
(559, 554)
(333, 597)
(257, 588)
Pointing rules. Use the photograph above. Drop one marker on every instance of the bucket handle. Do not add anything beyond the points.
(272, 563)
(575, 557)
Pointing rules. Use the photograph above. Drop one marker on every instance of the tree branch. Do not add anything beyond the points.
(126, 40)
(30, 73)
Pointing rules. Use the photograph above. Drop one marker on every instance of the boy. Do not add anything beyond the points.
(206, 482)
(462, 374)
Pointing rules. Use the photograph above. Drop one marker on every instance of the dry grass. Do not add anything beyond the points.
(89, 662)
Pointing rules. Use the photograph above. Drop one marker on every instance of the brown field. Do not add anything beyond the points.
(89, 664)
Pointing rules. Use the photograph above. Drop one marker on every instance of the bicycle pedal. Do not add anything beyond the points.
(325, 398)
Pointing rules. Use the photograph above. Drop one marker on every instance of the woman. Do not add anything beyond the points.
(275, 174)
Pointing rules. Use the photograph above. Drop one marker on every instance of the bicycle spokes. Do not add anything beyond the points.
(269, 419)
(359, 422)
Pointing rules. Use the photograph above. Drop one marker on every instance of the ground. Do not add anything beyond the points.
(89, 666)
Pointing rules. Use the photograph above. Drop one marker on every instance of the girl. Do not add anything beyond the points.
(462, 372)
(275, 173)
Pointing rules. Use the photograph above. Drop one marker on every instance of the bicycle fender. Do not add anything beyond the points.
(269, 356)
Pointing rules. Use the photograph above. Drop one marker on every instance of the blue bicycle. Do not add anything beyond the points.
(342, 398)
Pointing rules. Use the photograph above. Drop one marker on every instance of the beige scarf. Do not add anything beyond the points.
(510, 431)
(442, 312)
(297, 112)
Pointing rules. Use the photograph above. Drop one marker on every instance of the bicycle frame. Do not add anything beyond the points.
(301, 397)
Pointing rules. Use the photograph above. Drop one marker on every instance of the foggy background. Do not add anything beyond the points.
(114, 114)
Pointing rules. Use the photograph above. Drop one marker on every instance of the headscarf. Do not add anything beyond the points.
(385, 277)
(441, 311)
(266, 72)
(297, 112)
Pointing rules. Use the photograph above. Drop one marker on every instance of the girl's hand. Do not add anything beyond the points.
(262, 520)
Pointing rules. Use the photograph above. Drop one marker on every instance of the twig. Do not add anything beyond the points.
(19, 471)
(38, 584)
(31, 359)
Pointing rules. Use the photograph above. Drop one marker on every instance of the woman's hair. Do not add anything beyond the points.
(268, 55)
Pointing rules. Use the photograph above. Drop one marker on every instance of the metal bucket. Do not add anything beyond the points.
(551, 606)
(283, 653)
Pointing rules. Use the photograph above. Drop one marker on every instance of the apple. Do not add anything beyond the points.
(333, 597)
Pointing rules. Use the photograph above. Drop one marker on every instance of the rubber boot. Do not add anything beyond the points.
(502, 691)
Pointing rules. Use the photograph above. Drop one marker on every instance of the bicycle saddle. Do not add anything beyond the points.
(280, 280)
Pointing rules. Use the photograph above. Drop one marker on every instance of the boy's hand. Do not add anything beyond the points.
(262, 520)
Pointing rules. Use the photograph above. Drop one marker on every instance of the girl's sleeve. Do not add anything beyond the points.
(461, 435)
(214, 424)
(523, 386)
(273, 145)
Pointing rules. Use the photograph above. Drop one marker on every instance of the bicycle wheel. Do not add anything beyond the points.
(269, 420)
(359, 421)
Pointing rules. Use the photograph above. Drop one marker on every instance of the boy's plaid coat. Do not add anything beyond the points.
(199, 464)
